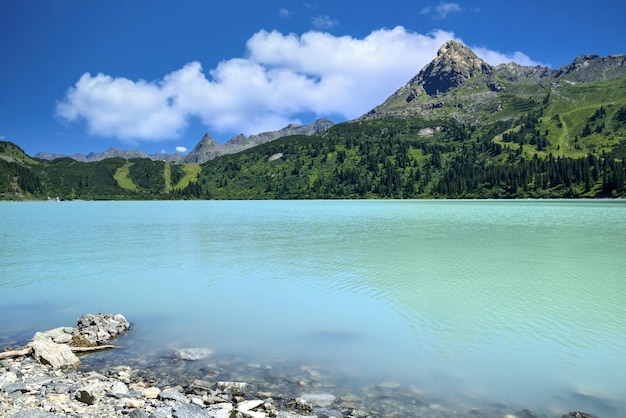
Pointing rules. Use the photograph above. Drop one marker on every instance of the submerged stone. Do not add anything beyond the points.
(192, 354)
(317, 399)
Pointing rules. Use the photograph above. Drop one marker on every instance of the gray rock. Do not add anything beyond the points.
(283, 414)
(162, 412)
(35, 413)
(189, 410)
(200, 386)
(173, 395)
(15, 387)
(58, 356)
(61, 335)
(138, 413)
(91, 393)
(102, 328)
(578, 415)
(325, 412)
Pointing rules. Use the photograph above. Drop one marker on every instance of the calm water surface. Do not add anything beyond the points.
(517, 302)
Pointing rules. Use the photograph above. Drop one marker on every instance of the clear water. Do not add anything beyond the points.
(516, 302)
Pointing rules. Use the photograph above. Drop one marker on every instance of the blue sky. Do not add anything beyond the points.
(155, 75)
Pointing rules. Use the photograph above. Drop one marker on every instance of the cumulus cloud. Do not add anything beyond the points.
(281, 76)
(181, 149)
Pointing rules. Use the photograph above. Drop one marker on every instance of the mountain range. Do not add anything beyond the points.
(205, 150)
(460, 128)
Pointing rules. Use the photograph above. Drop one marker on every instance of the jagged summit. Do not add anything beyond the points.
(455, 63)
(458, 84)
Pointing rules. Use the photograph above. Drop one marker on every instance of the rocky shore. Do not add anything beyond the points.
(47, 380)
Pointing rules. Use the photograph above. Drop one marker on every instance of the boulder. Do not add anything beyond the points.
(100, 329)
(59, 356)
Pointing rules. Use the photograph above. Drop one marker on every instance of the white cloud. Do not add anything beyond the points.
(495, 57)
(181, 149)
(285, 13)
(324, 22)
(442, 10)
(282, 75)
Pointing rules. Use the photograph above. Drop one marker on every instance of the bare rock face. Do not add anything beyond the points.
(100, 329)
(455, 63)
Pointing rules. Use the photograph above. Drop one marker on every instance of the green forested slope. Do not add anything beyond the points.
(559, 139)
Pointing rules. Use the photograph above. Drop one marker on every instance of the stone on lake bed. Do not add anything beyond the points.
(316, 399)
(193, 354)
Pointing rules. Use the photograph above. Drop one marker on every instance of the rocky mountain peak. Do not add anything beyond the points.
(207, 149)
(206, 143)
(455, 63)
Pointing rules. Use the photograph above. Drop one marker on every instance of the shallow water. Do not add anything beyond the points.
(515, 302)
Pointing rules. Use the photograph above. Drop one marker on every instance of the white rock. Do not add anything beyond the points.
(192, 354)
(119, 388)
(134, 403)
(317, 399)
(237, 388)
(150, 393)
(248, 405)
(56, 355)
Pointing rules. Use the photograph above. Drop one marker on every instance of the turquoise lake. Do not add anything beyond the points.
(516, 302)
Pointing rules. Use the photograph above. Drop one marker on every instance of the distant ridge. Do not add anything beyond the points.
(205, 150)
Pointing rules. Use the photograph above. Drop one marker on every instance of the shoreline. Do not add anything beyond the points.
(193, 383)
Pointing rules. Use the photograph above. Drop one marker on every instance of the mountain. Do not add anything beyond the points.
(95, 156)
(460, 128)
(205, 150)
(208, 149)
(458, 84)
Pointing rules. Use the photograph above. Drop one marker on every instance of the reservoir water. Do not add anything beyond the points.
(522, 303)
